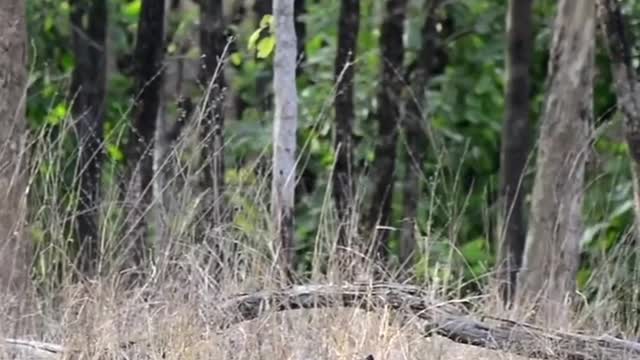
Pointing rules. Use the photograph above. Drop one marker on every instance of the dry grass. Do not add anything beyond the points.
(172, 315)
(96, 321)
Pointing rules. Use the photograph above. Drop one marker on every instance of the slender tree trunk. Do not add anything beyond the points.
(212, 45)
(263, 93)
(15, 247)
(148, 57)
(627, 88)
(88, 93)
(343, 188)
(301, 34)
(284, 133)
(383, 169)
(516, 140)
(431, 60)
(547, 278)
(238, 104)
(168, 130)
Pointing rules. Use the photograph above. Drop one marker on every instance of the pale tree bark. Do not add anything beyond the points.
(344, 72)
(547, 278)
(15, 247)
(626, 86)
(284, 133)
(516, 145)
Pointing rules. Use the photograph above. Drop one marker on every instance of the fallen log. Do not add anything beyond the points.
(447, 319)
(441, 318)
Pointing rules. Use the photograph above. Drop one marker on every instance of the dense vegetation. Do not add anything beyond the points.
(457, 140)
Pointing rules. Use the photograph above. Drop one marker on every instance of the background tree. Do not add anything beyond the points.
(388, 113)
(148, 57)
(284, 133)
(431, 60)
(263, 93)
(301, 34)
(15, 247)
(516, 142)
(548, 275)
(88, 82)
(344, 71)
(618, 42)
(212, 47)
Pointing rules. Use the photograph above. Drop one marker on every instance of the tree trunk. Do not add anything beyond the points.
(284, 133)
(300, 11)
(343, 191)
(87, 94)
(212, 46)
(383, 168)
(15, 247)
(263, 93)
(626, 87)
(148, 56)
(176, 88)
(547, 278)
(516, 140)
(431, 60)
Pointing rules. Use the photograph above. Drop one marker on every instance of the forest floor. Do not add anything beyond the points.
(96, 324)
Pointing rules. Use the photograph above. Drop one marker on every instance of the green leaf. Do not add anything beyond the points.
(266, 21)
(48, 23)
(67, 62)
(132, 9)
(583, 277)
(474, 251)
(266, 46)
(57, 114)
(115, 152)
(253, 39)
(236, 58)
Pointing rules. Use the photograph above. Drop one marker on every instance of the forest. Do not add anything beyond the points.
(181, 173)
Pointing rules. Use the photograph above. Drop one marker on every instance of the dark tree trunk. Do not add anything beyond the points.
(343, 191)
(212, 46)
(88, 108)
(516, 140)
(263, 78)
(431, 60)
(300, 11)
(238, 14)
(619, 42)
(382, 173)
(148, 57)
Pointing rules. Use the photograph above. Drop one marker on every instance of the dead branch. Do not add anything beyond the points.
(34, 349)
(446, 319)
(442, 318)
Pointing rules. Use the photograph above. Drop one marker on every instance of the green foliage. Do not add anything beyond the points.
(465, 105)
(263, 44)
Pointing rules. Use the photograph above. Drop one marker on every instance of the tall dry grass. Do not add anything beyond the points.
(172, 313)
